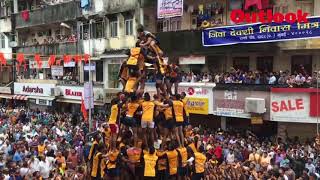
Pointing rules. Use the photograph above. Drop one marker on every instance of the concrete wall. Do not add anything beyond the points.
(5, 25)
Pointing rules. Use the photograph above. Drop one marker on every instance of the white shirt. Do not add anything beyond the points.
(24, 171)
(230, 158)
(44, 169)
(272, 80)
(34, 166)
(311, 167)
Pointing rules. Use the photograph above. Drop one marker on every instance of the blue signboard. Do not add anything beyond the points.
(259, 33)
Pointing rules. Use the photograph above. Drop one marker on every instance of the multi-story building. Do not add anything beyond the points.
(5, 47)
(181, 39)
(113, 25)
(102, 29)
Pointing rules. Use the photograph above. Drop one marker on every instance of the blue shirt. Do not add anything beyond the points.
(17, 157)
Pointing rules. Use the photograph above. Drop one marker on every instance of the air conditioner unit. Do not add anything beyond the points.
(55, 91)
(255, 105)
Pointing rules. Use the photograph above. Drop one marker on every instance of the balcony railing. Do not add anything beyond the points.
(50, 14)
(48, 49)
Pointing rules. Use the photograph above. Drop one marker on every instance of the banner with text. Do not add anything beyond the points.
(291, 107)
(259, 33)
(197, 105)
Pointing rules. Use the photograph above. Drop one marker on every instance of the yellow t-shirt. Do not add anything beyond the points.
(130, 85)
(173, 162)
(178, 110)
(185, 106)
(41, 149)
(150, 165)
(114, 114)
(132, 108)
(147, 111)
(254, 158)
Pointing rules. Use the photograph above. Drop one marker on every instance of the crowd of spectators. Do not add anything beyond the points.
(44, 145)
(295, 79)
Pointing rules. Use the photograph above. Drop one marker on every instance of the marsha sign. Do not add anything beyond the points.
(259, 33)
(32, 89)
(291, 107)
(170, 8)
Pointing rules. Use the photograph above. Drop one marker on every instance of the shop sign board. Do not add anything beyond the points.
(261, 33)
(199, 94)
(291, 107)
(88, 95)
(227, 103)
(197, 105)
(57, 70)
(5, 90)
(170, 8)
(33, 89)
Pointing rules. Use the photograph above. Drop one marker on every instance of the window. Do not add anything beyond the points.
(2, 41)
(301, 64)
(5, 8)
(265, 63)
(241, 63)
(160, 26)
(129, 26)
(175, 24)
(113, 75)
(98, 29)
(114, 27)
(84, 31)
(99, 71)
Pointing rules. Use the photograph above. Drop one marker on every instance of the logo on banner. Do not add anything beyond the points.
(28, 89)
(190, 91)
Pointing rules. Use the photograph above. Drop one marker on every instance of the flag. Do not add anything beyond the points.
(77, 58)
(20, 59)
(66, 58)
(37, 58)
(3, 60)
(86, 58)
(52, 60)
(83, 110)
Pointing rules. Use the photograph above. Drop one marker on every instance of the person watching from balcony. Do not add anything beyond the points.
(272, 79)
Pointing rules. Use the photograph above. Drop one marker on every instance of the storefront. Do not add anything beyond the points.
(5, 95)
(295, 110)
(232, 104)
(36, 95)
(70, 98)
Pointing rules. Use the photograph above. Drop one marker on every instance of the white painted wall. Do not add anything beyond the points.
(94, 46)
(5, 25)
(7, 50)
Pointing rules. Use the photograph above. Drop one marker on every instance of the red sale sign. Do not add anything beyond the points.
(291, 107)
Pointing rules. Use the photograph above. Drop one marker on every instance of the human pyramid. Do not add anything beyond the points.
(149, 137)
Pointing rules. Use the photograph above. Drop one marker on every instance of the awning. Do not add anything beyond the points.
(69, 101)
(109, 56)
(73, 101)
(50, 98)
(20, 97)
(6, 96)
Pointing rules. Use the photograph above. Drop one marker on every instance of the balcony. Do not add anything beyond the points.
(50, 14)
(48, 49)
